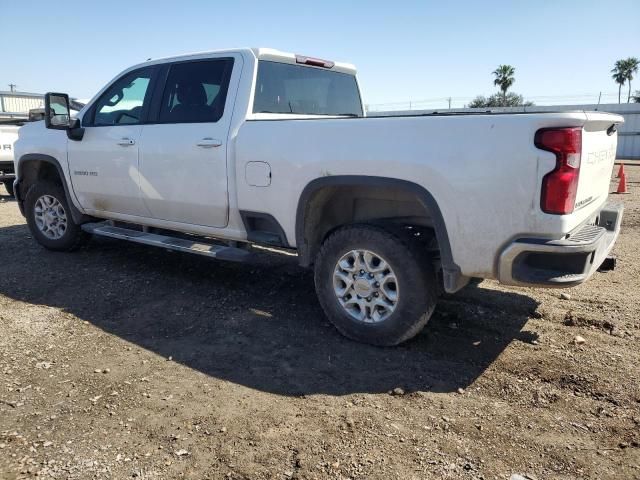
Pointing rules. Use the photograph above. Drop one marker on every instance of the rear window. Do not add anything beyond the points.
(284, 88)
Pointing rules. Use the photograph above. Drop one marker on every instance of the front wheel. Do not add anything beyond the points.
(8, 184)
(49, 218)
(376, 286)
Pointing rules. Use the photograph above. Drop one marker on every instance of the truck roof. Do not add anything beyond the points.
(260, 53)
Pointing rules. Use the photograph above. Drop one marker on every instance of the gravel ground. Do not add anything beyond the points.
(120, 361)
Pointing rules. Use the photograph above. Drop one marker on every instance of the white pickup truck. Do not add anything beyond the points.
(213, 152)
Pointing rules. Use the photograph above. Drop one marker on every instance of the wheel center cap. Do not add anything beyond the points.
(363, 287)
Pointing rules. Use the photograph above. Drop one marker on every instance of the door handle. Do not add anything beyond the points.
(126, 141)
(209, 143)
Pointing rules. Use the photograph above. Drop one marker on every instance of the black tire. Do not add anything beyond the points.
(416, 283)
(73, 236)
(8, 184)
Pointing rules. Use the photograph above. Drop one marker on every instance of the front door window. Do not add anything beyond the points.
(124, 101)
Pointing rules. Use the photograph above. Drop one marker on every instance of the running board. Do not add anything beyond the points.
(171, 243)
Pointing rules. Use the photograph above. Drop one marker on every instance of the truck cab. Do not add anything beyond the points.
(155, 142)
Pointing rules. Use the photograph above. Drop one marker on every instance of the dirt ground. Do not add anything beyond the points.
(120, 361)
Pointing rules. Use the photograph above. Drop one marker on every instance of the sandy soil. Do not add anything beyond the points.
(120, 361)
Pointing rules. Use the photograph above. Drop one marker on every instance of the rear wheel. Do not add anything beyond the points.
(8, 184)
(376, 286)
(49, 218)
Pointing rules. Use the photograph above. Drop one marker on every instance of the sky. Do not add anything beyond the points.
(418, 51)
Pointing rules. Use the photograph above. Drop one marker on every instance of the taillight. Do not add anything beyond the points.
(559, 186)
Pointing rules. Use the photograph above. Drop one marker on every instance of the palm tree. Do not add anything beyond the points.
(619, 75)
(504, 79)
(631, 68)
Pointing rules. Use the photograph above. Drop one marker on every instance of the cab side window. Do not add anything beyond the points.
(124, 101)
(196, 91)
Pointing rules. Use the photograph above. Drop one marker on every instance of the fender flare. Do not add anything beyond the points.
(453, 279)
(77, 215)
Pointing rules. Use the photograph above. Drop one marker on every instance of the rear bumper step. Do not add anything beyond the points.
(565, 262)
(222, 252)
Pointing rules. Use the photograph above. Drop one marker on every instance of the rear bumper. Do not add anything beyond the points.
(565, 262)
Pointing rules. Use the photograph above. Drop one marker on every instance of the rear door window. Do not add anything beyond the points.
(286, 88)
(196, 91)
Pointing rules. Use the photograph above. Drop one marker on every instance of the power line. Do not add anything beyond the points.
(456, 99)
(457, 102)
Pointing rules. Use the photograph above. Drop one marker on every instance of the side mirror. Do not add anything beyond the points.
(57, 114)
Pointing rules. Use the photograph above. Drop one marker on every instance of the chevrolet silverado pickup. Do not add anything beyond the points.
(215, 153)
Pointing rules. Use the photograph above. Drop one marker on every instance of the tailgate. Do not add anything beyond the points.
(599, 143)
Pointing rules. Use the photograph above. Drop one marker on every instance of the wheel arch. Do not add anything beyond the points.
(311, 229)
(32, 167)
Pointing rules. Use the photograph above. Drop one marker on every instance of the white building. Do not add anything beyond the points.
(18, 104)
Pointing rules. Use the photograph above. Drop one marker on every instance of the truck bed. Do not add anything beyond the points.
(483, 169)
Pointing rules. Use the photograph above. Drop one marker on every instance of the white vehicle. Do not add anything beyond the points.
(211, 152)
(8, 136)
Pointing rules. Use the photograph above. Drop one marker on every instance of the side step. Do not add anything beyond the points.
(221, 252)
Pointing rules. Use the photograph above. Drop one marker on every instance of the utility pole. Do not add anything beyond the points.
(12, 87)
(449, 99)
(599, 97)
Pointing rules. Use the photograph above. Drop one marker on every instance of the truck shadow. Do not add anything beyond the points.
(258, 325)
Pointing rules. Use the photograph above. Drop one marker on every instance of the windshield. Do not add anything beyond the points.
(285, 88)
